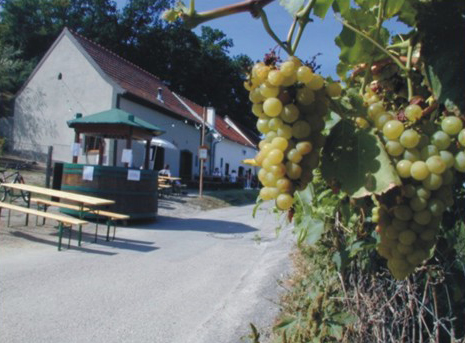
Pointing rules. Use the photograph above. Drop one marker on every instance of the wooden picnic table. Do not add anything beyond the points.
(85, 203)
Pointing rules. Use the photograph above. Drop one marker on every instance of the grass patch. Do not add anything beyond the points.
(235, 197)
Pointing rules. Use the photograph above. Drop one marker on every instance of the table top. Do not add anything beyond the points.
(169, 177)
(83, 199)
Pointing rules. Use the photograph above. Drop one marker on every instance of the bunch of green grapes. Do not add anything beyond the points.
(426, 157)
(290, 102)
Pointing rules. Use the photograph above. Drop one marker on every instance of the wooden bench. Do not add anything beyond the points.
(111, 216)
(63, 221)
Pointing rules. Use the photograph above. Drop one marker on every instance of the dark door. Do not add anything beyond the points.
(158, 155)
(185, 165)
(241, 171)
(226, 169)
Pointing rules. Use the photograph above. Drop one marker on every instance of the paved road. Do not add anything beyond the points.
(193, 280)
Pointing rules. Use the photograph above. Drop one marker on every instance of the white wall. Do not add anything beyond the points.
(46, 103)
(232, 153)
(184, 136)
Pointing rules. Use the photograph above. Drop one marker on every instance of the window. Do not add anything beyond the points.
(92, 144)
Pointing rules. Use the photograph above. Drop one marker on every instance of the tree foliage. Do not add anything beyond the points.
(194, 66)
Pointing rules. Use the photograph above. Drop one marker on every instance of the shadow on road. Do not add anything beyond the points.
(192, 224)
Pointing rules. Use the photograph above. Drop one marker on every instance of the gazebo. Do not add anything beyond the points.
(135, 191)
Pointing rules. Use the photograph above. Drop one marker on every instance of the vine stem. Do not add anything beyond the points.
(375, 43)
(303, 19)
(193, 19)
(270, 31)
(409, 69)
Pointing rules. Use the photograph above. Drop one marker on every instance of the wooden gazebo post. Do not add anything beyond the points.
(147, 154)
(77, 140)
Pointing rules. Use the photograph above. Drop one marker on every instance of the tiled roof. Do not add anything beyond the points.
(220, 125)
(144, 85)
(132, 78)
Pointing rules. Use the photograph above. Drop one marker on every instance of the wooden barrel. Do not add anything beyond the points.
(136, 198)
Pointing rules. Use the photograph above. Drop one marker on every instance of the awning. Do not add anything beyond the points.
(163, 143)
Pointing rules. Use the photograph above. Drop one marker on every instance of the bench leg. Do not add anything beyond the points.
(80, 235)
(69, 238)
(108, 228)
(60, 235)
(96, 229)
(9, 216)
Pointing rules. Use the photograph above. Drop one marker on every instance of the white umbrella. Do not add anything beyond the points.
(162, 143)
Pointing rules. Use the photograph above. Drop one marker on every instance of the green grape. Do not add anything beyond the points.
(280, 143)
(285, 131)
(451, 125)
(447, 177)
(409, 138)
(436, 165)
(272, 107)
(316, 82)
(411, 155)
(275, 77)
(316, 122)
(413, 112)
(441, 140)
(461, 137)
(403, 168)
(403, 212)
(270, 180)
(428, 151)
(409, 190)
(267, 163)
(284, 185)
(447, 157)
(269, 193)
(262, 73)
(334, 89)
(288, 68)
(417, 257)
(300, 129)
(278, 170)
(270, 136)
(293, 170)
(422, 192)
(372, 99)
(419, 170)
(399, 224)
(392, 129)
(436, 207)
(382, 120)
(275, 123)
(394, 148)
(294, 156)
(304, 74)
(255, 96)
(404, 249)
(407, 237)
(391, 232)
(417, 228)
(289, 80)
(428, 235)
(422, 217)
(459, 163)
(275, 156)
(418, 204)
(290, 113)
(284, 201)
(268, 90)
(375, 110)
(305, 96)
(257, 109)
(304, 147)
(424, 141)
(384, 251)
(262, 125)
(432, 182)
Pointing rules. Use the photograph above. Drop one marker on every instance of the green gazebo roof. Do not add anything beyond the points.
(115, 116)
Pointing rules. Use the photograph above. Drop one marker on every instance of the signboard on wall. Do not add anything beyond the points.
(203, 152)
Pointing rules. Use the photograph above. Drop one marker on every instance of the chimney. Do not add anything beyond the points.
(211, 116)
(160, 94)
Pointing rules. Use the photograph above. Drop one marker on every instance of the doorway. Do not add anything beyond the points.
(157, 157)
(185, 165)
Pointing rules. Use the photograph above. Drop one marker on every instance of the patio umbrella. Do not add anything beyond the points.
(163, 143)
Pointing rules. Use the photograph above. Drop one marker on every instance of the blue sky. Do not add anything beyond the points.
(250, 38)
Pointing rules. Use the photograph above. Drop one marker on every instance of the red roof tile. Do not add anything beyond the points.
(132, 78)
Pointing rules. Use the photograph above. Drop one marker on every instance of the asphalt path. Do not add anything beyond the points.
(192, 280)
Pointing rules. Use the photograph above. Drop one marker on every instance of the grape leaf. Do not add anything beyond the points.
(321, 7)
(292, 6)
(341, 6)
(392, 7)
(356, 159)
(443, 50)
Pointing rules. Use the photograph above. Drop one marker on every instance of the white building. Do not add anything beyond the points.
(79, 76)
